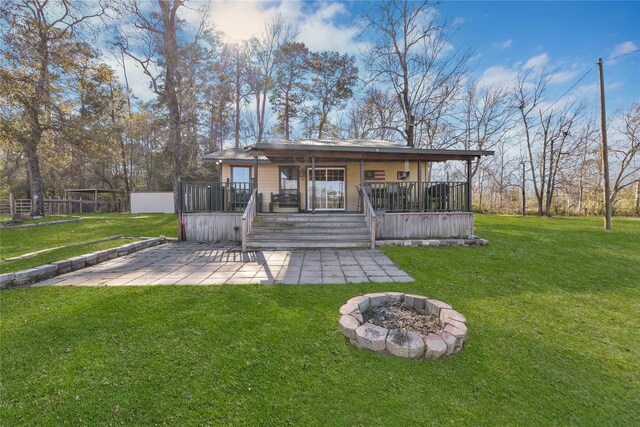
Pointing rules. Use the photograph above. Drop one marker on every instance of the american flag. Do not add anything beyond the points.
(377, 175)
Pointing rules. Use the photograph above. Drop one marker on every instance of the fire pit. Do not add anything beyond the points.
(404, 325)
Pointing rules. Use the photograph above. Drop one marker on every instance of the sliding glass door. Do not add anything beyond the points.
(329, 189)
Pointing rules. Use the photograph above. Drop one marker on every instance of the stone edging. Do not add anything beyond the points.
(410, 345)
(42, 272)
(39, 224)
(468, 241)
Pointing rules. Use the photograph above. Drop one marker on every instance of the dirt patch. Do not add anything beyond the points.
(398, 316)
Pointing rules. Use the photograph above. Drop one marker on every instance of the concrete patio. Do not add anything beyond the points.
(192, 263)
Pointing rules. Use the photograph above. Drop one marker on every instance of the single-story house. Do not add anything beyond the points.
(327, 193)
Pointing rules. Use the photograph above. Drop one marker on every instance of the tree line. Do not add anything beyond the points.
(69, 121)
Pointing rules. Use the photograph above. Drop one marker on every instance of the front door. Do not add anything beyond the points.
(329, 189)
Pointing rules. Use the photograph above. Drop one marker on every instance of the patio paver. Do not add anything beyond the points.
(192, 263)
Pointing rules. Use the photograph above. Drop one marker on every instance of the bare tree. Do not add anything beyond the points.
(626, 152)
(487, 118)
(413, 55)
(528, 96)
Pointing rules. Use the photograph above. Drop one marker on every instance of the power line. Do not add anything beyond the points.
(571, 88)
(624, 54)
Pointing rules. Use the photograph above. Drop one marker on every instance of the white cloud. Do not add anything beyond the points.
(503, 45)
(561, 77)
(537, 62)
(622, 49)
(139, 83)
(498, 75)
(316, 24)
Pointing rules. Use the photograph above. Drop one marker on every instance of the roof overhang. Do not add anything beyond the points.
(288, 152)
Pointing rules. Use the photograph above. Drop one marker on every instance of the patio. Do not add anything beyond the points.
(195, 263)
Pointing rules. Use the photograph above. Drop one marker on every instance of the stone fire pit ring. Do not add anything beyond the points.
(410, 344)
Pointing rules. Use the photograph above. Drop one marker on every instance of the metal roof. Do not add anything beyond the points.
(237, 154)
(363, 147)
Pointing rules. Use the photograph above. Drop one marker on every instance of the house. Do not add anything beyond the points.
(327, 193)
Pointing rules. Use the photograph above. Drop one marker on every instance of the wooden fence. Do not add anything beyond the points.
(60, 206)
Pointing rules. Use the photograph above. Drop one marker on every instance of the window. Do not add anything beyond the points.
(289, 179)
(240, 174)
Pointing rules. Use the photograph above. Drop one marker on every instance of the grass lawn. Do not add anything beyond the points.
(94, 227)
(554, 338)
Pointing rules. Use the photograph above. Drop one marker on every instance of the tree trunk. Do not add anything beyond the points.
(637, 207)
(35, 180)
(171, 91)
(238, 84)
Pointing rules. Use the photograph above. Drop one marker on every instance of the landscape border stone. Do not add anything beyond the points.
(56, 268)
(470, 240)
(411, 345)
(39, 224)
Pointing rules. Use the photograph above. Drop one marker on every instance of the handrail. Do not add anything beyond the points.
(370, 215)
(247, 217)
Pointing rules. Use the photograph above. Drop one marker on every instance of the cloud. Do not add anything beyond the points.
(316, 24)
(498, 75)
(503, 45)
(139, 83)
(622, 49)
(561, 77)
(537, 62)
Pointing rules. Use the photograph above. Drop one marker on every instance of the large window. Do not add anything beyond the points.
(289, 180)
(240, 174)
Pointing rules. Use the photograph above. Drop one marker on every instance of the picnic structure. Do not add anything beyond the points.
(327, 194)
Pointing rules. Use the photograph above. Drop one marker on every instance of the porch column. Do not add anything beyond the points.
(313, 184)
(468, 186)
(361, 173)
(255, 173)
(420, 207)
(255, 182)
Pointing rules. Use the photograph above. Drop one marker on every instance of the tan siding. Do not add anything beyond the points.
(268, 178)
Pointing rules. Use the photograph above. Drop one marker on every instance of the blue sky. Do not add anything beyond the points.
(566, 37)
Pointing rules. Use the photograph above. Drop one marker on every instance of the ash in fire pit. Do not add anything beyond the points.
(403, 325)
(397, 315)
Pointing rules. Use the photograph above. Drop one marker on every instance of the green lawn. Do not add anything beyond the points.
(554, 338)
(94, 227)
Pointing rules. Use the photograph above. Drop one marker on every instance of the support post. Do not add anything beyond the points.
(420, 207)
(605, 152)
(468, 186)
(362, 195)
(313, 184)
(255, 173)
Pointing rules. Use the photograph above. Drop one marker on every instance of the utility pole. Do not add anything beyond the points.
(605, 152)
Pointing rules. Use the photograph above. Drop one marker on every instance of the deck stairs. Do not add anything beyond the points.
(308, 231)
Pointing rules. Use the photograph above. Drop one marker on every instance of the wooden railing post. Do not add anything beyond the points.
(247, 218)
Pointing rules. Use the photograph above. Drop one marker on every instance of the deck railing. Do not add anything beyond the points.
(247, 217)
(432, 196)
(214, 196)
(370, 216)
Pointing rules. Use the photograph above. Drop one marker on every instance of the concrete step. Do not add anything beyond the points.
(305, 218)
(309, 230)
(306, 244)
(309, 237)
